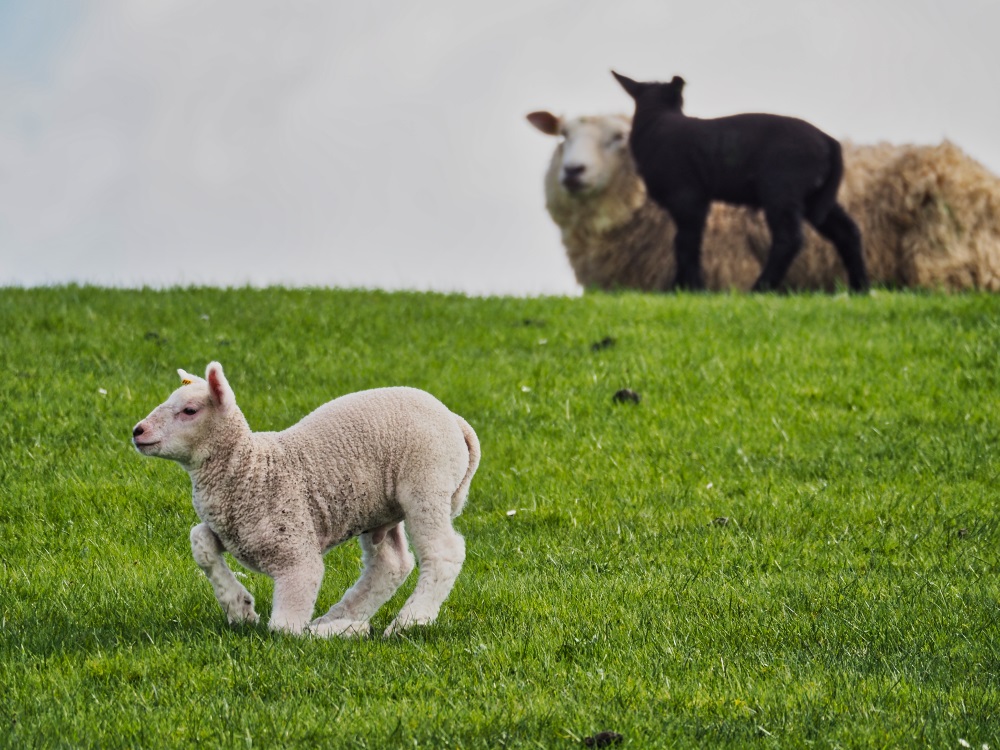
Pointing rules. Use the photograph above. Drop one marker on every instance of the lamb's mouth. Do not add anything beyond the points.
(140, 446)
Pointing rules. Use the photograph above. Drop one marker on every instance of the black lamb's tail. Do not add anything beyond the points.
(825, 196)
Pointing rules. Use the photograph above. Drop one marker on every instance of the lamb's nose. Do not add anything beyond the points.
(574, 170)
(137, 431)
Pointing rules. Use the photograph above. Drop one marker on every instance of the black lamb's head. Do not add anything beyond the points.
(667, 95)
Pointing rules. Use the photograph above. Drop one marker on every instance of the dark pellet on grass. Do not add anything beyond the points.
(721, 521)
(606, 343)
(626, 394)
(603, 739)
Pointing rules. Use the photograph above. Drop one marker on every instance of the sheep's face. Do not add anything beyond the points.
(591, 152)
(184, 428)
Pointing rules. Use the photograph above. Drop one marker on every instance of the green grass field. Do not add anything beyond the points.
(851, 600)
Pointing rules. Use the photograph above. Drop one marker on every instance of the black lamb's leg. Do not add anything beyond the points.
(840, 229)
(687, 247)
(786, 241)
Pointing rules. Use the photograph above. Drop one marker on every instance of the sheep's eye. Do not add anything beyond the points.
(189, 411)
(617, 137)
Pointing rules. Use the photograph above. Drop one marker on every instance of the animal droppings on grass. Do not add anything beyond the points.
(603, 739)
(626, 394)
(720, 521)
(606, 343)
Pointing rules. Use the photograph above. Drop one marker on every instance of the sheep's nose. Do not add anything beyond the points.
(574, 170)
(137, 431)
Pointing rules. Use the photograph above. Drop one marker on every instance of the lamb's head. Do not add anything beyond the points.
(591, 152)
(193, 422)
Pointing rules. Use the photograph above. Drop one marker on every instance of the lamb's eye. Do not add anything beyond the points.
(190, 411)
(617, 137)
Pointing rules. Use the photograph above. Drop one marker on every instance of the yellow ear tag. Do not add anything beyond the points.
(186, 381)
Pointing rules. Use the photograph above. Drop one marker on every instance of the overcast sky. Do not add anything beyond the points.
(383, 144)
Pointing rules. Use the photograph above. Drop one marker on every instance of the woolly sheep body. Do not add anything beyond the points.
(929, 216)
(357, 466)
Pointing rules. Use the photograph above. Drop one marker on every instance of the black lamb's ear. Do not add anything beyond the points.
(633, 88)
(671, 93)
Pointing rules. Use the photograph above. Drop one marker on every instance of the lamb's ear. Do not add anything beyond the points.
(547, 122)
(633, 88)
(218, 386)
(672, 94)
(186, 377)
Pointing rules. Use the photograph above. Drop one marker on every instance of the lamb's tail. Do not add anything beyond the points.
(472, 442)
(825, 197)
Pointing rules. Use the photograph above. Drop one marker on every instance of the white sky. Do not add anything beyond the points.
(383, 144)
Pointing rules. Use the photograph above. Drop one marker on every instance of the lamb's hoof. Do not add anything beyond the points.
(344, 628)
(397, 626)
(241, 611)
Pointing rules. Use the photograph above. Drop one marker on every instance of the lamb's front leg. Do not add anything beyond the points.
(233, 597)
(295, 591)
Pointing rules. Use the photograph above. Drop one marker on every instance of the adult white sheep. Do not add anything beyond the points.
(357, 466)
(929, 215)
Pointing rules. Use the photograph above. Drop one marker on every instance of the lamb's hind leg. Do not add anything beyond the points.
(440, 553)
(387, 563)
(840, 229)
(232, 596)
(785, 225)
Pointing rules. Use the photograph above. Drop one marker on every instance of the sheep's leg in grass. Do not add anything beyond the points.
(440, 554)
(386, 564)
(840, 229)
(785, 224)
(295, 591)
(690, 216)
(235, 600)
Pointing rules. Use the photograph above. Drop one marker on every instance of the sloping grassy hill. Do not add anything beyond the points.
(792, 540)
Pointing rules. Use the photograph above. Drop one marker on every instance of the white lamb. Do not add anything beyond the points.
(277, 501)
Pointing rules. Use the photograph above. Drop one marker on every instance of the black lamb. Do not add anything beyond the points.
(785, 166)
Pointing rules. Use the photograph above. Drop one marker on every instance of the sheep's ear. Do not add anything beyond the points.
(633, 88)
(186, 377)
(547, 122)
(218, 386)
(678, 83)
